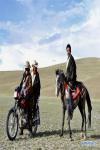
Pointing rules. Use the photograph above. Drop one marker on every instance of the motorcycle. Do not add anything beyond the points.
(17, 117)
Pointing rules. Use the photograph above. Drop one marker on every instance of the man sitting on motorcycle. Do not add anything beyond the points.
(25, 92)
(36, 85)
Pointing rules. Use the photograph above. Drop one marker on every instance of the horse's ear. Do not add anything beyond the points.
(57, 72)
(63, 76)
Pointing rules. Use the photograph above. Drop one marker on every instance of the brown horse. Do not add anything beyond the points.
(80, 102)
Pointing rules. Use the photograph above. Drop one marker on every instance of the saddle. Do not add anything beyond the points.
(75, 92)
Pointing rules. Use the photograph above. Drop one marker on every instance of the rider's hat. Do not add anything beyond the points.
(35, 63)
(27, 64)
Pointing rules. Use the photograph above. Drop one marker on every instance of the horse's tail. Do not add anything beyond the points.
(88, 103)
(89, 108)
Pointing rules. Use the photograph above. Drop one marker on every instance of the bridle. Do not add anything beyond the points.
(60, 84)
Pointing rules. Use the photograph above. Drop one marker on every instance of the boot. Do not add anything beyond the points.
(21, 132)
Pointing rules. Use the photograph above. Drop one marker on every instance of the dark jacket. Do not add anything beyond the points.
(27, 80)
(36, 86)
(71, 70)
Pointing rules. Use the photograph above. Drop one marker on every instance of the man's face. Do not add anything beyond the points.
(33, 68)
(27, 70)
(68, 50)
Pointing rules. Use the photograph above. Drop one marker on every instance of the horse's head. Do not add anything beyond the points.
(60, 78)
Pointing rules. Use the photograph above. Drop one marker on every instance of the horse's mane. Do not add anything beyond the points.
(61, 74)
(59, 71)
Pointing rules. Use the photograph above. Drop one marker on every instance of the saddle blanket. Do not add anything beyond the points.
(75, 92)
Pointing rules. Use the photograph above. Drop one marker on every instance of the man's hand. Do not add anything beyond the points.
(26, 92)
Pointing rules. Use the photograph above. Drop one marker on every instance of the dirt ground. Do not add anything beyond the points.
(47, 137)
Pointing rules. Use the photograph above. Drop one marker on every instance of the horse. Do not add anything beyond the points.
(80, 102)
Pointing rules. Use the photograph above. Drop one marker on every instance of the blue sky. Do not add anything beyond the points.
(41, 29)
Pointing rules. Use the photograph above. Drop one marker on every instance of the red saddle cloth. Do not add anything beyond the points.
(75, 93)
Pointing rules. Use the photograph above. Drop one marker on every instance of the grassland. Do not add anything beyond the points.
(88, 71)
(47, 137)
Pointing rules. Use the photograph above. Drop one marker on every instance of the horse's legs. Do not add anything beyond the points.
(70, 132)
(63, 120)
(84, 122)
(81, 107)
(89, 119)
(81, 111)
(69, 119)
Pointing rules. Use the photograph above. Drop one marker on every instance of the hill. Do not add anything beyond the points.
(88, 71)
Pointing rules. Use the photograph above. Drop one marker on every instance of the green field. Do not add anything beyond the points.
(47, 137)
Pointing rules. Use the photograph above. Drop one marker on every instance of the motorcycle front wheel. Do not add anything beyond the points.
(12, 124)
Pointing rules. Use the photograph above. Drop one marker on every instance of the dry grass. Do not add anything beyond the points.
(88, 71)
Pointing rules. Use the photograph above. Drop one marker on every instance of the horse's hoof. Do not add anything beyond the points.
(82, 135)
(85, 137)
(71, 139)
(61, 134)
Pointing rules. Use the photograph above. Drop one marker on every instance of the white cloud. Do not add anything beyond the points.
(84, 37)
(15, 55)
(11, 57)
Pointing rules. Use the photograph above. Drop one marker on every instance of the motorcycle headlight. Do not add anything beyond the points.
(15, 94)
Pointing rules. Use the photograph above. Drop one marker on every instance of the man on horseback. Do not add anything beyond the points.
(73, 93)
(70, 75)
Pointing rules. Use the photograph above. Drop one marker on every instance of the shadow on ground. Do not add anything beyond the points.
(46, 134)
(54, 132)
(96, 137)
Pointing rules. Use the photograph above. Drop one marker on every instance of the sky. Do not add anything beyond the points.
(41, 29)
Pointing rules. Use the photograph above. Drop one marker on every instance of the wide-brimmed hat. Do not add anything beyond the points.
(27, 64)
(35, 63)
